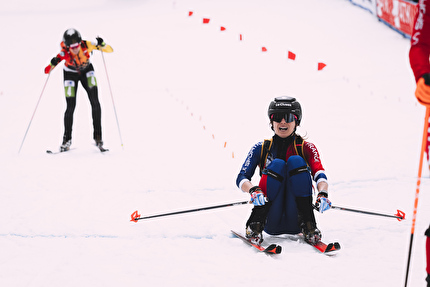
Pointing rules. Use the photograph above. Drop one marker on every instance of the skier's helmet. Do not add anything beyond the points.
(71, 36)
(285, 105)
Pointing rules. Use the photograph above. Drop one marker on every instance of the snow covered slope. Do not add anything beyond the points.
(191, 100)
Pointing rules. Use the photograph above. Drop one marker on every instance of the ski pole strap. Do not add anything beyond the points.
(298, 170)
(273, 174)
(264, 153)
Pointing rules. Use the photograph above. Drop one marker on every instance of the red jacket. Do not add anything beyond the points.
(420, 41)
(80, 61)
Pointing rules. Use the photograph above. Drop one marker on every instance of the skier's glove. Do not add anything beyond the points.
(100, 42)
(322, 203)
(257, 196)
(422, 91)
(55, 61)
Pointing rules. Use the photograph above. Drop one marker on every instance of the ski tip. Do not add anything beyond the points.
(273, 249)
(48, 151)
(331, 247)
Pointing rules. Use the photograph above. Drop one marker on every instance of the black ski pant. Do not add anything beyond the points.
(88, 81)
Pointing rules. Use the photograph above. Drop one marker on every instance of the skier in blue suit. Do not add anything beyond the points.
(283, 198)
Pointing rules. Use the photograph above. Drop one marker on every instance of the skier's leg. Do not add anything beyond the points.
(273, 185)
(70, 90)
(299, 191)
(89, 82)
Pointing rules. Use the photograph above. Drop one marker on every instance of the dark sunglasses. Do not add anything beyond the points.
(277, 117)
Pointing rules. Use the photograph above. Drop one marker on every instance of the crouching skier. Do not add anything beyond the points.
(283, 199)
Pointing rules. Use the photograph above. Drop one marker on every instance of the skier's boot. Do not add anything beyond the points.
(307, 221)
(65, 146)
(256, 222)
(99, 143)
(310, 232)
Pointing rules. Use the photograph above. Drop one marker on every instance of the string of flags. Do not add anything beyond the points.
(290, 55)
(205, 129)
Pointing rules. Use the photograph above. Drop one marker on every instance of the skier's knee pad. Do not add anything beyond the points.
(91, 79)
(272, 180)
(299, 180)
(69, 89)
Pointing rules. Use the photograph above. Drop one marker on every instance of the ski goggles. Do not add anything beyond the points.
(277, 117)
(74, 46)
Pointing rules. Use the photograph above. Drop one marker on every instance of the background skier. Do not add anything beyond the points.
(78, 68)
(283, 198)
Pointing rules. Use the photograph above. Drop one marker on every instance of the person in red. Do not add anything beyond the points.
(420, 51)
(288, 164)
(78, 68)
(428, 255)
(419, 54)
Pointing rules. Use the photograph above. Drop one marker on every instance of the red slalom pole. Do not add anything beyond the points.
(417, 192)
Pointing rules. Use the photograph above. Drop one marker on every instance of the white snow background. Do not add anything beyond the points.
(191, 100)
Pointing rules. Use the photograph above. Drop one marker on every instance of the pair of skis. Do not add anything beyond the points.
(276, 249)
(102, 149)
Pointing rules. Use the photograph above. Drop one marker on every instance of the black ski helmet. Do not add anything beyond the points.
(71, 36)
(285, 105)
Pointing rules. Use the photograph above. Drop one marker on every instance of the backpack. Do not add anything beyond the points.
(267, 144)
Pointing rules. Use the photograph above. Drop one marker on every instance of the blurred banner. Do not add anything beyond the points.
(398, 14)
(369, 5)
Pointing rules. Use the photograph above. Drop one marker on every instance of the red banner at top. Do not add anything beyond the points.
(399, 14)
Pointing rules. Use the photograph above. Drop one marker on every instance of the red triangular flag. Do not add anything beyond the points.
(264, 49)
(206, 20)
(222, 28)
(190, 13)
(321, 66)
(291, 55)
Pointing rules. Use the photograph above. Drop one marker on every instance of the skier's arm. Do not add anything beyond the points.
(322, 186)
(243, 180)
(100, 45)
(246, 186)
(314, 160)
(55, 61)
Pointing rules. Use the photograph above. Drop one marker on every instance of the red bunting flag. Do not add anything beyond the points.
(321, 66)
(264, 49)
(291, 55)
(190, 13)
(206, 20)
(222, 28)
